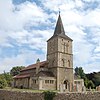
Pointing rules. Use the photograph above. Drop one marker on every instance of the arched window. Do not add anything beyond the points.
(67, 47)
(68, 63)
(63, 62)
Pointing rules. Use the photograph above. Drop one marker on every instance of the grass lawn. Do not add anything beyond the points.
(27, 90)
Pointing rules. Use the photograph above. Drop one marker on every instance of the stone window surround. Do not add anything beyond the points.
(49, 81)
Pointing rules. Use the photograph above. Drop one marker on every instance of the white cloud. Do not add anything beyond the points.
(24, 26)
(16, 20)
(92, 18)
(97, 48)
(13, 25)
(20, 60)
(84, 50)
(90, 0)
(92, 67)
(79, 3)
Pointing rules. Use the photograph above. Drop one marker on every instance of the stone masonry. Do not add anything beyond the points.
(13, 95)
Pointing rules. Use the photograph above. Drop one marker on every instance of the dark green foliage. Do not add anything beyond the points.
(3, 82)
(88, 82)
(16, 70)
(94, 77)
(38, 60)
(77, 71)
(48, 95)
(8, 78)
(80, 72)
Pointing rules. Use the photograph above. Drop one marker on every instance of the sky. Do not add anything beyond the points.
(26, 25)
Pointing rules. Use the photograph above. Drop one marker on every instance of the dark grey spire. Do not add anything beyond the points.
(59, 27)
(59, 30)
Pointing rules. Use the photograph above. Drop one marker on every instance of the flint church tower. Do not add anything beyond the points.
(60, 57)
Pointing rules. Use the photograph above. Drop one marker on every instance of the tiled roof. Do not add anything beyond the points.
(45, 74)
(42, 64)
(30, 67)
(22, 76)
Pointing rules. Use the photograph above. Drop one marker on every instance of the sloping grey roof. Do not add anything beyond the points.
(62, 36)
(45, 74)
(42, 64)
(25, 72)
(59, 30)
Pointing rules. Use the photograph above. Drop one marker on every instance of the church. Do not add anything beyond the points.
(56, 73)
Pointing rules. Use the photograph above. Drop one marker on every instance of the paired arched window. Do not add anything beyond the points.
(65, 47)
(63, 62)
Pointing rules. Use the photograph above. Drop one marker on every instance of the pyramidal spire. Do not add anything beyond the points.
(59, 29)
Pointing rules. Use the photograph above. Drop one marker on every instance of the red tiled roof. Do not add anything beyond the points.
(22, 76)
(42, 64)
(28, 74)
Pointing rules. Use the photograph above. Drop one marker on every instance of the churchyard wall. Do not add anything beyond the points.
(22, 95)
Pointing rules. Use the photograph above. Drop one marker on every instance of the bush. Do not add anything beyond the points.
(8, 78)
(3, 82)
(49, 95)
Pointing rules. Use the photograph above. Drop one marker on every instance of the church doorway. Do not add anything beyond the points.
(66, 84)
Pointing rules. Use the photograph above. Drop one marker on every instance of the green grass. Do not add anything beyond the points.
(27, 90)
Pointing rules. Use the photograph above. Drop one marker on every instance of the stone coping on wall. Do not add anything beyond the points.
(25, 95)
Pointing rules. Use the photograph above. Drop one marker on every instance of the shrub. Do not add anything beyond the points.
(3, 83)
(48, 95)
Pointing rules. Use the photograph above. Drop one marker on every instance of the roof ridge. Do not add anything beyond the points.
(32, 66)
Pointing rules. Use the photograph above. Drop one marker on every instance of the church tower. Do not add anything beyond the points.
(60, 57)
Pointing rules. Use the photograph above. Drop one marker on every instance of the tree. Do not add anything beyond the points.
(80, 72)
(3, 82)
(86, 81)
(94, 77)
(90, 84)
(77, 71)
(8, 78)
(16, 70)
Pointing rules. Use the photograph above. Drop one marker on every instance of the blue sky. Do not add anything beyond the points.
(26, 25)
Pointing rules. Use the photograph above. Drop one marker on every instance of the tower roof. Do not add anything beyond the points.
(59, 30)
(59, 27)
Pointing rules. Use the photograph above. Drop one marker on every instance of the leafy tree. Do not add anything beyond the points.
(77, 71)
(3, 82)
(90, 84)
(94, 77)
(8, 78)
(88, 81)
(80, 72)
(16, 70)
